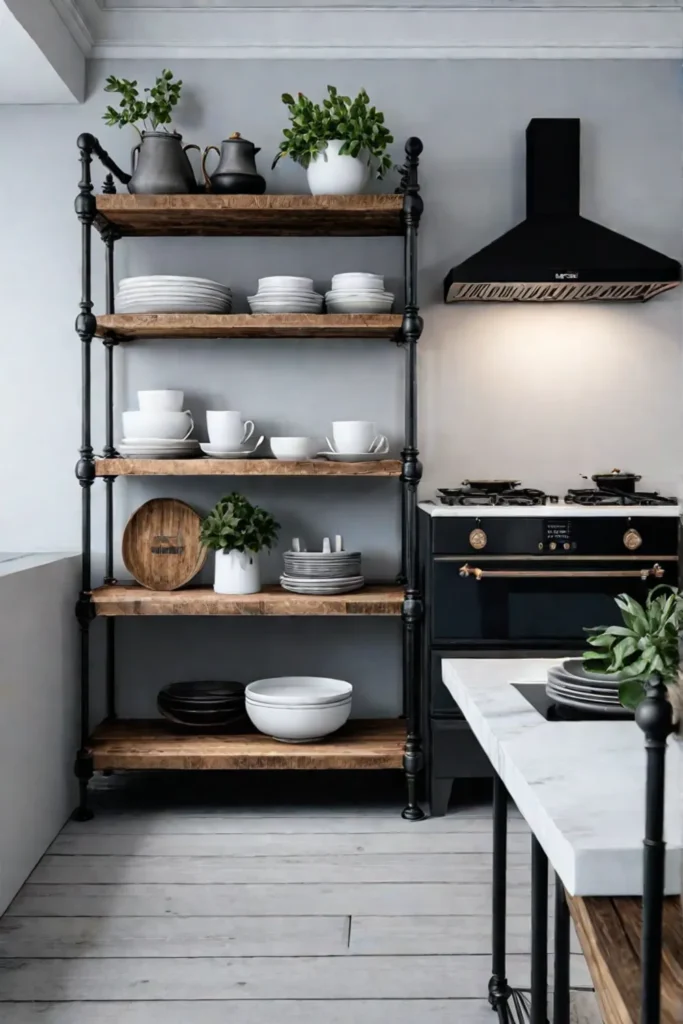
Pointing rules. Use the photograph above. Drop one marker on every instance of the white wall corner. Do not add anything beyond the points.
(438, 29)
(40, 60)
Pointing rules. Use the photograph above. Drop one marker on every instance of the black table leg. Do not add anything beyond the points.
(561, 963)
(500, 993)
(539, 934)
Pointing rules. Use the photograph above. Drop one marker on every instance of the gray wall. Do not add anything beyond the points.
(541, 393)
(38, 712)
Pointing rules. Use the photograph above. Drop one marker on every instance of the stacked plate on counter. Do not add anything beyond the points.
(298, 709)
(322, 572)
(164, 293)
(573, 686)
(285, 295)
(203, 705)
(358, 293)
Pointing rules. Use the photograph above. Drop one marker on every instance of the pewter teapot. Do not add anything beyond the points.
(236, 172)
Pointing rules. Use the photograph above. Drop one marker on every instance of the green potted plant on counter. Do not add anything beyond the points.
(238, 531)
(337, 141)
(645, 646)
(162, 166)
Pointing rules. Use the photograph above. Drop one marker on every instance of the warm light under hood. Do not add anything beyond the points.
(556, 255)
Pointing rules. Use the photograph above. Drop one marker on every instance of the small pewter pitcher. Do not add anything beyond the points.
(236, 172)
(162, 166)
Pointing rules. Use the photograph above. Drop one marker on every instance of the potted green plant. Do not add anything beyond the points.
(162, 166)
(237, 531)
(647, 644)
(337, 141)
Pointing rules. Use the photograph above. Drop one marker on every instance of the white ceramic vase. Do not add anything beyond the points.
(331, 174)
(237, 572)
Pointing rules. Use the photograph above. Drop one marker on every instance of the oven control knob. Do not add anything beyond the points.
(567, 546)
(478, 539)
(552, 545)
(632, 540)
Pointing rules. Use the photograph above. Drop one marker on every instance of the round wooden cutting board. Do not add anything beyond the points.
(161, 548)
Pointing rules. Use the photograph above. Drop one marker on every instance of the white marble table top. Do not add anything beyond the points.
(579, 785)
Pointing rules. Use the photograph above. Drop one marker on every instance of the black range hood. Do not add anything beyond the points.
(557, 255)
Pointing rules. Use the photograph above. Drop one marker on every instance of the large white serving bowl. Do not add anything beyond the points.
(358, 280)
(286, 282)
(289, 449)
(298, 724)
(161, 424)
(292, 690)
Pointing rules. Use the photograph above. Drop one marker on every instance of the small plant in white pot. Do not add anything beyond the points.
(338, 141)
(237, 531)
(645, 646)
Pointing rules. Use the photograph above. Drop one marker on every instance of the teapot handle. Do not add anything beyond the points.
(192, 145)
(134, 150)
(207, 179)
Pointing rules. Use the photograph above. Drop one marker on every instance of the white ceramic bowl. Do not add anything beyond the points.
(293, 690)
(162, 424)
(358, 280)
(298, 724)
(286, 282)
(160, 401)
(292, 448)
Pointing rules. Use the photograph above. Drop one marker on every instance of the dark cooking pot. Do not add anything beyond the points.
(625, 482)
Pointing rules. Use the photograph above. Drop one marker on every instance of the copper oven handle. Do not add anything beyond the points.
(509, 574)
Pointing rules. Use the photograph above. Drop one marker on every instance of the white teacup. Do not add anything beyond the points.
(163, 424)
(227, 430)
(293, 448)
(160, 401)
(357, 437)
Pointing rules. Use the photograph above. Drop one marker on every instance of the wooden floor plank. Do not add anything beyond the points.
(439, 867)
(155, 900)
(38, 937)
(422, 935)
(371, 977)
(291, 845)
(309, 1011)
(227, 823)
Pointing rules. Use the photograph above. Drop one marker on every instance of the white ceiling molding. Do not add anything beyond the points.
(532, 30)
(76, 24)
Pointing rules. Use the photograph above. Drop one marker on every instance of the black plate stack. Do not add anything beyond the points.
(203, 706)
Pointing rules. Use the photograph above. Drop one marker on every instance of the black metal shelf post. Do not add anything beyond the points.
(411, 329)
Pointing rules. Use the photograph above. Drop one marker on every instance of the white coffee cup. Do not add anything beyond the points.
(227, 430)
(167, 425)
(357, 437)
(160, 401)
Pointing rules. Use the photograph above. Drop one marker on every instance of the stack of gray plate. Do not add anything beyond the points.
(322, 572)
(575, 687)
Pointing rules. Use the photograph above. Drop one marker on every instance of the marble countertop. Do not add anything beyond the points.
(561, 508)
(579, 785)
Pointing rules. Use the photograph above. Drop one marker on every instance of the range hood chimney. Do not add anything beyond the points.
(556, 255)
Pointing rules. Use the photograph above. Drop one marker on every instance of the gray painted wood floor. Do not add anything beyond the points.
(176, 904)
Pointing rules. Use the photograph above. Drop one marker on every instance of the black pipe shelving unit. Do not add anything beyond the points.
(117, 744)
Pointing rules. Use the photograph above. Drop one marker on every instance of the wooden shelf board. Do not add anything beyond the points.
(244, 467)
(127, 326)
(156, 744)
(131, 599)
(610, 933)
(252, 215)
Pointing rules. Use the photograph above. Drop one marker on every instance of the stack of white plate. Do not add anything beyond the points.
(575, 687)
(285, 295)
(322, 572)
(358, 293)
(298, 709)
(157, 448)
(164, 293)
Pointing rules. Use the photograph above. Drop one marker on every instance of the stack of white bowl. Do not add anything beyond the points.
(298, 709)
(358, 293)
(159, 429)
(164, 293)
(285, 295)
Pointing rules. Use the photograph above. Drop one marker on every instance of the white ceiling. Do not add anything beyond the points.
(40, 61)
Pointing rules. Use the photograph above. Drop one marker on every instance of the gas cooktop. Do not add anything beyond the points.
(502, 494)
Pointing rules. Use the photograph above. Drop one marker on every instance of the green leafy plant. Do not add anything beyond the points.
(646, 644)
(237, 525)
(360, 127)
(155, 108)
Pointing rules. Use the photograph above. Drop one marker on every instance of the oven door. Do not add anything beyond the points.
(518, 600)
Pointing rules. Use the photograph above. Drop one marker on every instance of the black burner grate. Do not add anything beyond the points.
(515, 496)
(613, 496)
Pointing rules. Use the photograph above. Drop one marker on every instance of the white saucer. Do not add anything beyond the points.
(158, 442)
(353, 456)
(214, 452)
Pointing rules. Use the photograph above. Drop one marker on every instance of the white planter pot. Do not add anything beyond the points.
(331, 174)
(237, 572)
